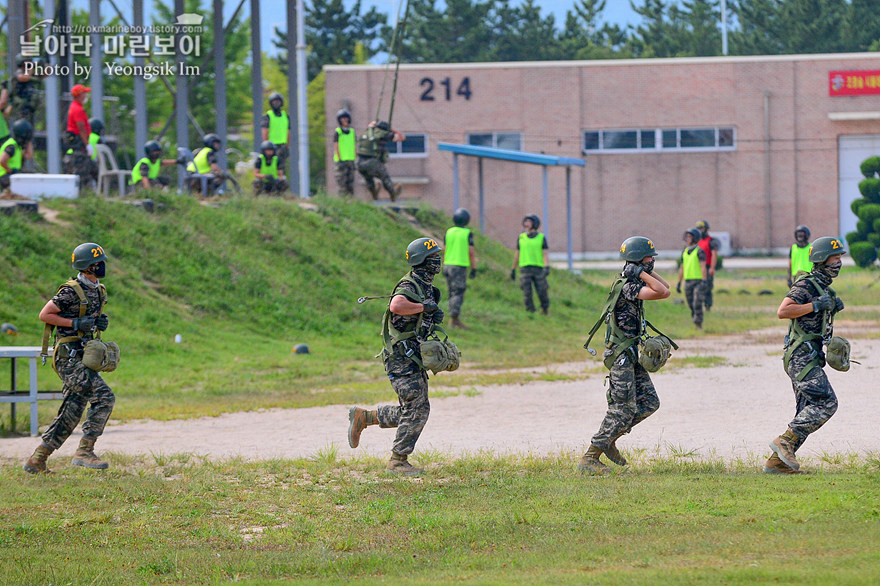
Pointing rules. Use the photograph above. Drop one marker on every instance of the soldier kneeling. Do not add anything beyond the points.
(268, 172)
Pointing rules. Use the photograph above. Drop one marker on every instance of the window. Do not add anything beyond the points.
(511, 141)
(660, 139)
(415, 145)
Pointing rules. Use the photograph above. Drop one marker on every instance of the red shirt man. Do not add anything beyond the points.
(77, 119)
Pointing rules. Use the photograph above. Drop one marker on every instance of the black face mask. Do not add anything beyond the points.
(832, 270)
(649, 267)
(99, 269)
(432, 264)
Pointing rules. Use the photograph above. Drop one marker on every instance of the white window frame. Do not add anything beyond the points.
(398, 145)
(495, 134)
(658, 141)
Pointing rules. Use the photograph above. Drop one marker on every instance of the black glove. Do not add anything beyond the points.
(437, 316)
(473, 273)
(513, 274)
(546, 272)
(102, 322)
(678, 287)
(838, 304)
(429, 307)
(181, 160)
(789, 282)
(83, 324)
(823, 303)
(632, 271)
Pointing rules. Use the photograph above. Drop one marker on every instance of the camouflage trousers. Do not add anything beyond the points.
(79, 163)
(534, 276)
(269, 185)
(631, 399)
(159, 182)
(410, 415)
(695, 294)
(372, 168)
(815, 399)
(456, 280)
(345, 177)
(708, 299)
(82, 386)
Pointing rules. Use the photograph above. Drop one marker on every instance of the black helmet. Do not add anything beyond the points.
(383, 126)
(635, 249)
(536, 221)
(343, 114)
(695, 234)
(210, 139)
(702, 225)
(152, 146)
(22, 131)
(87, 254)
(461, 217)
(267, 144)
(420, 249)
(276, 96)
(803, 229)
(96, 125)
(824, 247)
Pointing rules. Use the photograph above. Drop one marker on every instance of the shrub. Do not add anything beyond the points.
(870, 188)
(874, 238)
(870, 167)
(877, 225)
(863, 228)
(853, 237)
(856, 204)
(863, 253)
(868, 213)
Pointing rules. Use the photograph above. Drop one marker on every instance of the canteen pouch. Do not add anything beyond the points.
(654, 352)
(100, 356)
(837, 354)
(439, 355)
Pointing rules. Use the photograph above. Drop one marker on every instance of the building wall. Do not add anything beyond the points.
(618, 195)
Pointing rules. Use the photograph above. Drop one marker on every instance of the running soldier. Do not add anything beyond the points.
(811, 305)
(533, 260)
(372, 154)
(411, 315)
(693, 270)
(631, 394)
(77, 313)
(458, 257)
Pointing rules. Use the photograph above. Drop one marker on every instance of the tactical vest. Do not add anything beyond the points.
(797, 336)
(690, 263)
(200, 162)
(391, 335)
(705, 244)
(14, 161)
(269, 169)
(83, 308)
(371, 143)
(346, 142)
(278, 127)
(151, 174)
(531, 250)
(457, 247)
(94, 139)
(800, 259)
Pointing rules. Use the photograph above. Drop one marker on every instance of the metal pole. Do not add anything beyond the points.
(568, 212)
(15, 22)
(53, 97)
(12, 385)
(292, 166)
(96, 80)
(67, 81)
(256, 72)
(182, 93)
(546, 210)
(455, 181)
(724, 27)
(220, 81)
(140, 89)
(482, 202)
(302, 104)
(767, 177)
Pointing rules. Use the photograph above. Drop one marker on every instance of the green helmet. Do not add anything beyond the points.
(87, 254)
(822, 248)
(420, 249)
(702, 225)
(635, 249)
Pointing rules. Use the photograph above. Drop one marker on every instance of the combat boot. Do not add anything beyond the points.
(395, 193)
(374, 188)
(398, 464)
(590, 463)
(774, 465)
(358, 420)
(614, 454)
(784, 446)
(85, 455)
(545, 311)
(36, 464)
(456, 323)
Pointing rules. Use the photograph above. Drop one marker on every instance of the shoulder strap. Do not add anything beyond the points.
(610, 302)
(650, 325)
(83, 307)
(390, 334)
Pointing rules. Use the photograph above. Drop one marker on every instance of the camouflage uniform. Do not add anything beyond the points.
(345, 177)
(25, 98)
(534, 276)
(814, 397)
(269, 185)
(695, 293)
(456, 280)
(631, 395)
(408, 379)
(77, 161)
(81, 385)
(374, 167)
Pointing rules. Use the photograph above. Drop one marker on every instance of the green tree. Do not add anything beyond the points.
(585, 37)
(776, 27)
(456, 33)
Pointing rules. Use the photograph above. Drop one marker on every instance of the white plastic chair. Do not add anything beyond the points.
(107, 168)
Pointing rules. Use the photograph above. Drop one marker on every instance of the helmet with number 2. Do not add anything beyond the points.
(420, 249)
(87, 254)
(824, 247)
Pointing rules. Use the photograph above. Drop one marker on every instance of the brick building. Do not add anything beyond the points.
(754, 145)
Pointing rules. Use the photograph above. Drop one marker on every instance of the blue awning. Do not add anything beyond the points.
(508, 155)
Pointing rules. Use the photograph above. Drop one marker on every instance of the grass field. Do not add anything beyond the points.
(478, 519)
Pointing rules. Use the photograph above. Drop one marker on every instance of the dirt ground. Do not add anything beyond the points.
(731, 409)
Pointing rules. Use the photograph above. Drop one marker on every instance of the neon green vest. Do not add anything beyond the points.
(800, 259)
(346, 145)
(93, 140)
(201, 162)
(457, 247)
(531, 250)
(278, 127)
(151, 174)
(269, 169)
(690, 262)
(14, 161)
